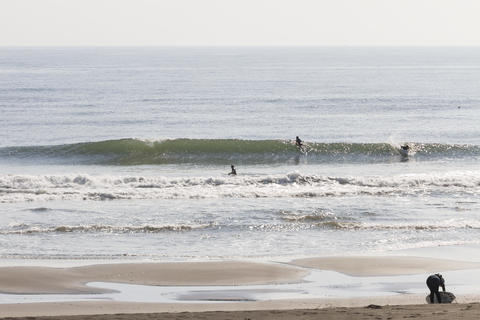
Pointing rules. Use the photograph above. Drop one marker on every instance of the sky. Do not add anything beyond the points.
(239, 23)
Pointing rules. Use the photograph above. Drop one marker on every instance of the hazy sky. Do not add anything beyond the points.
(239, 22)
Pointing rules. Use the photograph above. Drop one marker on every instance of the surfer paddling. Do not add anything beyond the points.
(233, 172)
(433, 283)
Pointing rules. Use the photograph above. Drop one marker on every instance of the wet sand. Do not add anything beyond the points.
(103, 311)
(34, 280)
(384, 266)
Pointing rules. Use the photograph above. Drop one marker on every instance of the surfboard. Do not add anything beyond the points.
(447, 297)
(303, 148)
(403, 152)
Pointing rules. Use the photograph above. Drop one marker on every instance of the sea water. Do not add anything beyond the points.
(124, 153)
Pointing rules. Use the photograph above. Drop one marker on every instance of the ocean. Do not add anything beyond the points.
(124, 153)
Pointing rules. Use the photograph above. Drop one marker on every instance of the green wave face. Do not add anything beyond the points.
(132, 151)
(225, 151)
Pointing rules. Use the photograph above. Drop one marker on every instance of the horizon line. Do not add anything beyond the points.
(237, 46)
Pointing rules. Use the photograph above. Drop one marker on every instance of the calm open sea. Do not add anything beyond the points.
(116, 153)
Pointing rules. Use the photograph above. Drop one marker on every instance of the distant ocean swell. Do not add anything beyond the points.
(225, 151)
(19, 188)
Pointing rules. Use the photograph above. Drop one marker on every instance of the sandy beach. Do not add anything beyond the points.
(378, 266)
(125, 311)
(31, 280)
(72, 280)
(239, 160)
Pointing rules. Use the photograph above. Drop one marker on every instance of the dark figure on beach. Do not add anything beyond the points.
(298, 142)
(433, 283)
(233, 172)
(405, 147)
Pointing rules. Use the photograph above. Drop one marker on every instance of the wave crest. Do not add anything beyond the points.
(225, 151)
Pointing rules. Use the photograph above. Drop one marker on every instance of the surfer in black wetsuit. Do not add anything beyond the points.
(298, 142)
(233, 172)
(433, 283)
(405, 147)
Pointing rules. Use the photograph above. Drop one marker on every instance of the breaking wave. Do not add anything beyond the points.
(27, 229)
(348, 225)
(225, 151)
(20, 188)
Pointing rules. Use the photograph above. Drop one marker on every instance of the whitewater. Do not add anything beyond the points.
(124, 153)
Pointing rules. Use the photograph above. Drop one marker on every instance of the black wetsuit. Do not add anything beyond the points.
(298, 142)
(433, 283)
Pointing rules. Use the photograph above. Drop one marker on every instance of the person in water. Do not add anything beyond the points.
(433, 283)
(405, 147)
(233, 172)
(298, 142)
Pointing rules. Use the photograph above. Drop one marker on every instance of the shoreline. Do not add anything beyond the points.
(74, 279)
(230, 286)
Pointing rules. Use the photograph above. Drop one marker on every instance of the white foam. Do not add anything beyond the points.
(19, 188)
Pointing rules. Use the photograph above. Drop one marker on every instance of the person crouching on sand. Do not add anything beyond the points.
(233, 172)
(433, 283)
